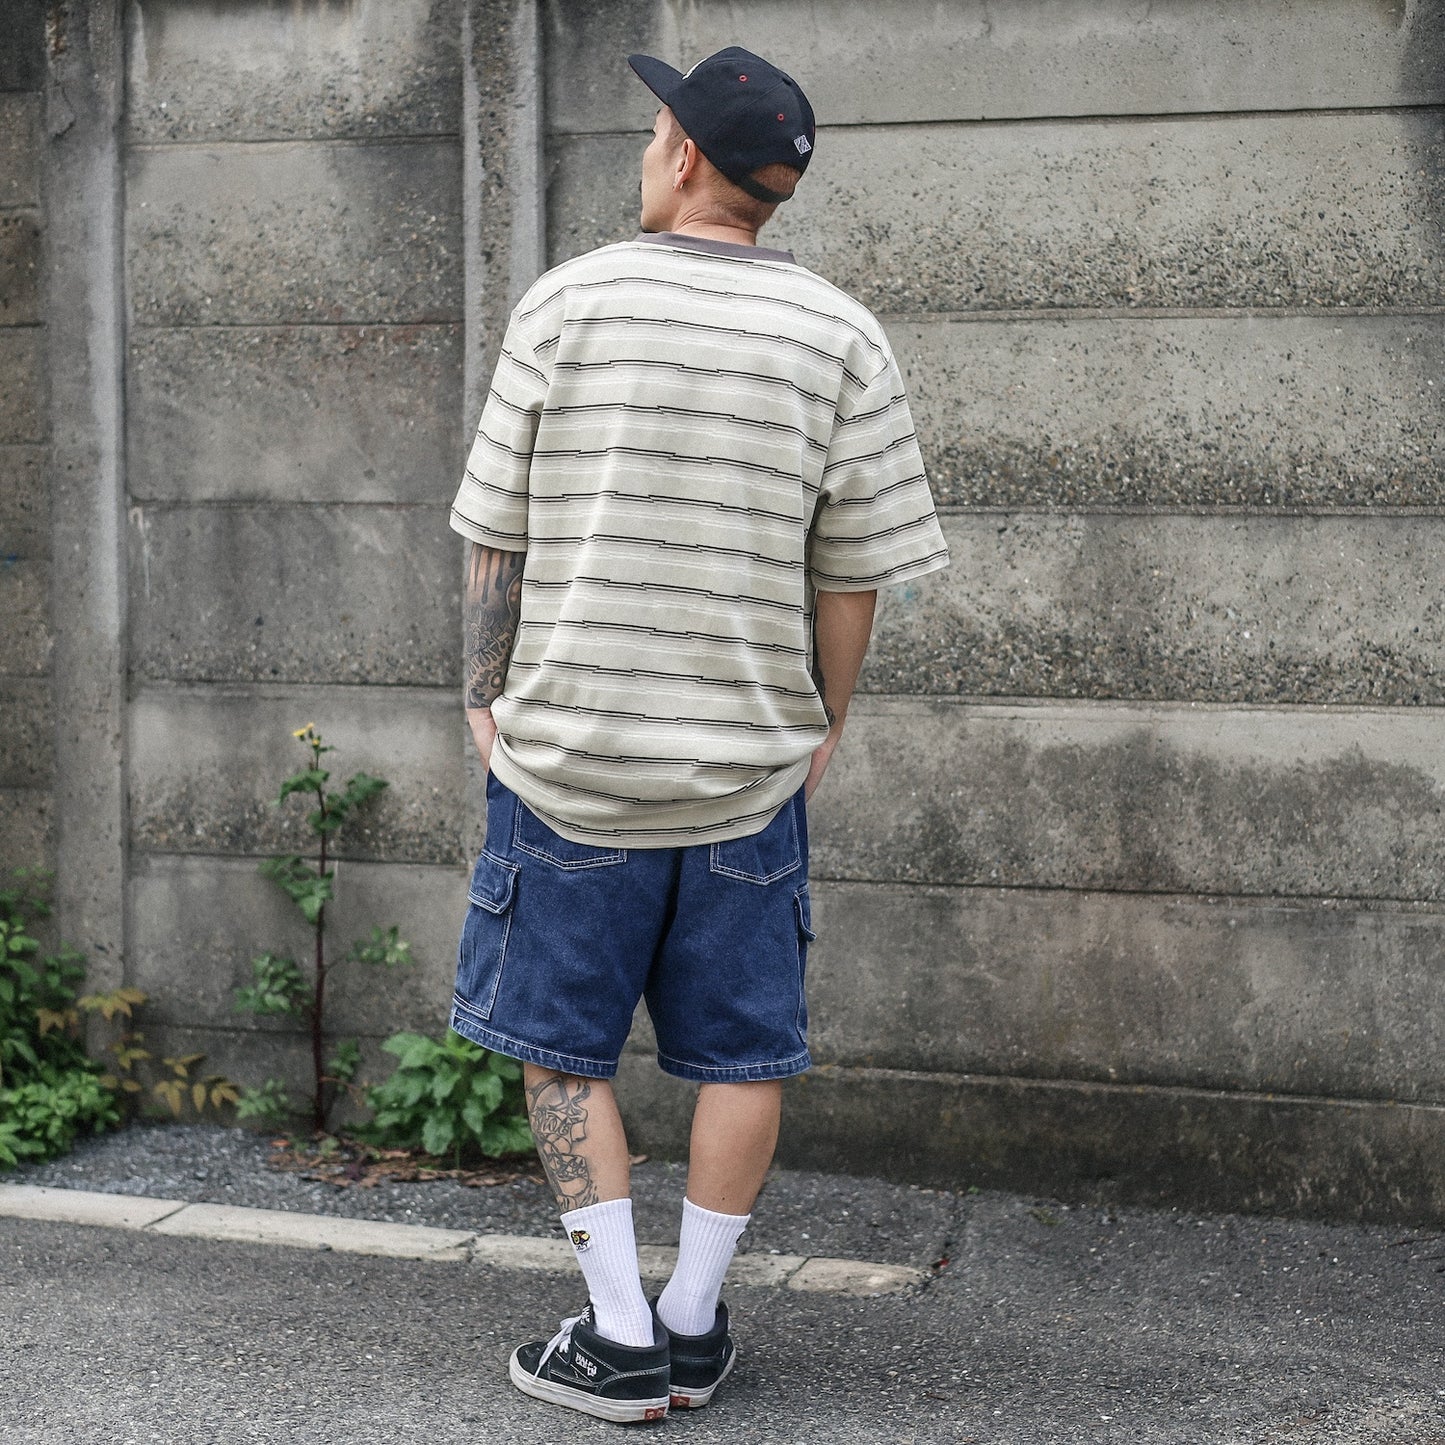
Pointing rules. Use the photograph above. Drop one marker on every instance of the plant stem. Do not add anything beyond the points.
(318, 1109)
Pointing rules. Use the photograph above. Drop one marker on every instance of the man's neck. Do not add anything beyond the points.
(714, 231)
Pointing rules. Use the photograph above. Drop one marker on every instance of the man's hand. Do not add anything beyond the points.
(484, 732)
(822, 754)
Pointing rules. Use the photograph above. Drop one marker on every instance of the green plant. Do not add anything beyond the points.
(449, 1096)
(51, 1090)
(279, 983)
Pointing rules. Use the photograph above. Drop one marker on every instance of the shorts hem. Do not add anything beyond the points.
(734, 1073)
(500, 1043)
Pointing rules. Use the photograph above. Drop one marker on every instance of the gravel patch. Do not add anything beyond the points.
(800, 1212)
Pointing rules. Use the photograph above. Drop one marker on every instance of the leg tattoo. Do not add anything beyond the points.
(557, 1110)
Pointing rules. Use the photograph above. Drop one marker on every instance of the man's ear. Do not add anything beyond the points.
(686, 166)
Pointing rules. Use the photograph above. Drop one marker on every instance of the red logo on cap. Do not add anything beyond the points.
(781, 116)
(742, 77)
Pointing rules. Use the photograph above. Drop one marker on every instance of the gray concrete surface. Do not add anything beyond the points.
(280, 413)
(24, 519)
(19, 268)
(25, 722)
(22, 57)
(22, 385)
(1128, 990)
(360, 71)
(1001, 59)
(1176, 798)
(1126, 213)
(24, 594)
(27, 817)
(1047, 1326)
(19, 149)
(1282, 609)
(1257, 410)
(310, 231)
(223, 911)
(208, 763)
(809, 1213)
(347, 594)
(26, 715)
(84, 324)
(1093, 1143)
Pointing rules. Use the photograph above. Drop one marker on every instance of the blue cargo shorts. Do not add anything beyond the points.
(562, 939)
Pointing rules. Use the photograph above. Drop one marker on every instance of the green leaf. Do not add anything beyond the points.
(303, 782)
(279, 988)
(487, 1088)
(309, 890)
(444, 1080)
(269, 1102)
(361, 787)
(387, 948)
(437, 1133)
(413, 1051)
(344, 1063)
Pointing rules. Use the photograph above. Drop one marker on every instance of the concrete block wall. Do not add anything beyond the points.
(27, 752)
(293, 418)
(1128, 870)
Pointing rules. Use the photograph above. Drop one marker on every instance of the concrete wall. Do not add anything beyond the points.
(1128, 873)
(27, 748)
(294, 368)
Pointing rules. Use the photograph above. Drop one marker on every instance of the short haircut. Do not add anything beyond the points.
(731, 204)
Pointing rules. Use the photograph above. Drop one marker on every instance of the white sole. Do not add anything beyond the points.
(696, 1399)
(620, 1412)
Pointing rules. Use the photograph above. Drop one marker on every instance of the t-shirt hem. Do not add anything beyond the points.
(906, 572)
(713, 821)
(485, 537)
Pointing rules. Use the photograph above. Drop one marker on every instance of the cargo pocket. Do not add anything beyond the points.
(803, 908)
(763, 857)
(483, 947)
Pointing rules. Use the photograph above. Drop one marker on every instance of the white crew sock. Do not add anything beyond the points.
(688, 1305)
(606, 1249)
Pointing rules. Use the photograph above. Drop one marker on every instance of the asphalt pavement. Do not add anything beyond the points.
(1033, 1323)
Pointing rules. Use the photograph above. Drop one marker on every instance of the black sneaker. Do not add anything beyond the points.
(582, 1370)
(700, 1363)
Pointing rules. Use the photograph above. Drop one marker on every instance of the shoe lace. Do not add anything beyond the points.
(559, 1341)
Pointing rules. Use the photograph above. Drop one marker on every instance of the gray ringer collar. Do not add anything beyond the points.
(717, 248)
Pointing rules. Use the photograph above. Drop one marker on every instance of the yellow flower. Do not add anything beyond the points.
(301, 732)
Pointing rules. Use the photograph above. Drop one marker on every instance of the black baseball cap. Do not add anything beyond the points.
(742, 113)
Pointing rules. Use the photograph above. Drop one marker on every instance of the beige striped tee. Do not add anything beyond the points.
(687, 438)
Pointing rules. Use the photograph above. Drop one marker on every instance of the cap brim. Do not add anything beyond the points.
(659, 77)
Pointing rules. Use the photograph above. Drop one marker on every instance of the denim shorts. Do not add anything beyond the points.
(562, 939)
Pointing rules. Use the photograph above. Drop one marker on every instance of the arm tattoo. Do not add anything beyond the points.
(491, 610)
(821, 685)
(556, 1109)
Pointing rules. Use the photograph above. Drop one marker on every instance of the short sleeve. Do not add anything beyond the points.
(875, 522)
(490, 506)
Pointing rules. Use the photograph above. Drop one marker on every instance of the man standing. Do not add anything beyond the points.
(694, 469)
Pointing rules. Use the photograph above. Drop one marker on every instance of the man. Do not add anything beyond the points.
(693, 471)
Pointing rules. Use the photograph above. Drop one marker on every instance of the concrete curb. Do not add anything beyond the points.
(226, 1223)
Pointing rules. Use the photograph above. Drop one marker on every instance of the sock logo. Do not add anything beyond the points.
(580, 1239)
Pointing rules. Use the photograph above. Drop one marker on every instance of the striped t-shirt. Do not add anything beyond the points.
(687, 438)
